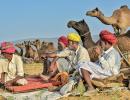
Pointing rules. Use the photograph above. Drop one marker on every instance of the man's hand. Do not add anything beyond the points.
(44, 56)
(98, 50)
(2, 82)
(9, 83)
(45, 78)
(52, 67)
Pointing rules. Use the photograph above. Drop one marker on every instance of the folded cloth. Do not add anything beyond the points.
(63, 77)
(33, 83)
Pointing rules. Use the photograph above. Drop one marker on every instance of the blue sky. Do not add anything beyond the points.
(22, 19)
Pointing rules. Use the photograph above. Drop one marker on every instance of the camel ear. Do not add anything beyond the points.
(83, 20)
(97, 9)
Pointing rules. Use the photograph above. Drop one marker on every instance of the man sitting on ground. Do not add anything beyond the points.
(75, 52)
(11, 66)
(108, 63)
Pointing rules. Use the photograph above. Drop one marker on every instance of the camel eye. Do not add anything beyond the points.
(93, 11)
(76, 24)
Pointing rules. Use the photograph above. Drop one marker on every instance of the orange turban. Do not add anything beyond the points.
(108, 36)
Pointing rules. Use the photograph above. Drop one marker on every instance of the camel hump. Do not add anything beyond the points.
(123, 9)
(124, 6)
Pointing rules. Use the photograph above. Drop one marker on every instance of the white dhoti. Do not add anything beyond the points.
(63, 65)
(96, 70)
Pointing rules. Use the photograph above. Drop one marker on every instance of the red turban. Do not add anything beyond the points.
(63, 40)
(7, 47)
(108, 36)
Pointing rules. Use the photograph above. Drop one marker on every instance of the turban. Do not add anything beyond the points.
(63, 40)
(74, 37)
(108, 36)
(7, 47)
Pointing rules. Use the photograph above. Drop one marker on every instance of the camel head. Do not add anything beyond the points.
(51, 46)
(20, 45)
(94, 13)
(37, 44)
(81, 27)
(27, 44)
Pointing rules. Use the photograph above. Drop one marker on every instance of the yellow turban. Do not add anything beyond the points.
(74, 37)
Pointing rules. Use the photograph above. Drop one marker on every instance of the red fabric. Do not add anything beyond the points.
(7, 47)
(108, 36)
(33, 83)
(64, 40)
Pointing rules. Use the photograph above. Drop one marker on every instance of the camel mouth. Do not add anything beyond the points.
(68, 25)
(71, 24)
(87, 13)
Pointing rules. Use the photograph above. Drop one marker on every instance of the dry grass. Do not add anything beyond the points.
(2, 98)
(115, 95)
(33, 69)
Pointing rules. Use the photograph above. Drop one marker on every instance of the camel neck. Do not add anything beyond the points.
(106, 20)
(87, 41)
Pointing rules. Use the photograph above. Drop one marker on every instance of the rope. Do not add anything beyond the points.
(85, 34)
(123, 56)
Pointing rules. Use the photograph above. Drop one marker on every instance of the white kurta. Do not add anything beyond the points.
(107, 65)
(12, 69)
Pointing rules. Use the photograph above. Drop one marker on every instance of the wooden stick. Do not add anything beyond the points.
(123, 56)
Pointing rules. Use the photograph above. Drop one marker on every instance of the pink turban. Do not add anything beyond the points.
(7, 47)
(108, 36)
(63, 40)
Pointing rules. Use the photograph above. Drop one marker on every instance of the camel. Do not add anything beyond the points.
(120, 19)
(30, 52)
(21, 46)
(50, 47)
(83, 30)
(37, 43)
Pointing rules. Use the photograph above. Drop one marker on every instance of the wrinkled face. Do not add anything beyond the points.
(61, 46)
(7, 55)
(72, 45)
(102, 44)
(93, 13)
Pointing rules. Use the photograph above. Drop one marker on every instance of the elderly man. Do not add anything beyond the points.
(11, 66)
(75, 53)
(60, 63)
(108, 63)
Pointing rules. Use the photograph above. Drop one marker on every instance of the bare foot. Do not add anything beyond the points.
(90, 92)
(90, 89)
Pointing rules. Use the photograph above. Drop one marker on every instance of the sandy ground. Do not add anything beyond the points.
(115, 95)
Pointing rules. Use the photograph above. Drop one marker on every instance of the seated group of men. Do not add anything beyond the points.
(70, 56)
